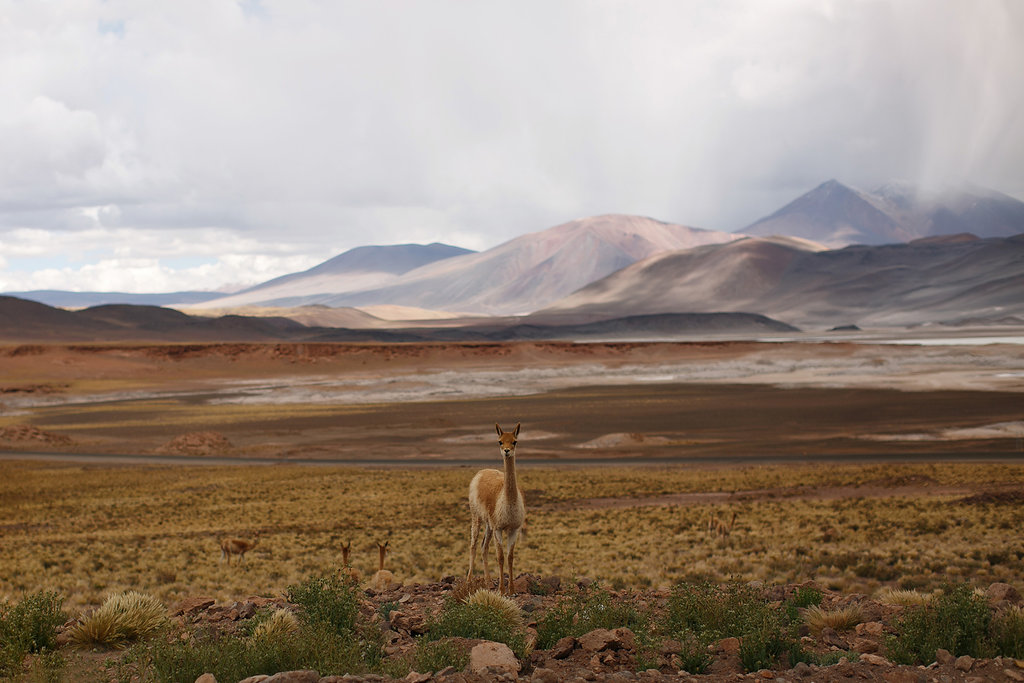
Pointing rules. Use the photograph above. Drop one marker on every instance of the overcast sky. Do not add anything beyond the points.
(197, 144)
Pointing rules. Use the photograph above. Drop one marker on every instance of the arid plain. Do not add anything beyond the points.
(857, 463)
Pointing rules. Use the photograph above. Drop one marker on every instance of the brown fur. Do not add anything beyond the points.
(237, 546)
(496, 504)
(719, 527)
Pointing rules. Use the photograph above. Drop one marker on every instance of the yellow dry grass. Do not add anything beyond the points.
(88, 531)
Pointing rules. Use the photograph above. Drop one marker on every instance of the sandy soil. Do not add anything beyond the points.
(587, 402)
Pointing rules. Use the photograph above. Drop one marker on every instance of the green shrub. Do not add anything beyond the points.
(585, 610)
(327, 600)
(28, 626)
(705, 612)
(432, 656)
(1008, 633)
(957, 620)
(233, 658)
(694, 655)
(807, 597)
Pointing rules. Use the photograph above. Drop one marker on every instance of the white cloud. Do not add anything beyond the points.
(327, 124)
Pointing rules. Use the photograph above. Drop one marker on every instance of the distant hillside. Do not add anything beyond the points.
(532, 270)
(64, 299)
(932, 280)
(356, 269)
(29, 321)
(836, 215)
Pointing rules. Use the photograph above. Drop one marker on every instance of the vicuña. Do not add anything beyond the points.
(719, 527)
(237, 546)
(383, 579)
(496, 504)
(347, 571)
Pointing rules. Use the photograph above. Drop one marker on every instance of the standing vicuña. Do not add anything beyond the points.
(347, 570)
(237, 546)
(383, 579)
(496, 502)
(719, 527)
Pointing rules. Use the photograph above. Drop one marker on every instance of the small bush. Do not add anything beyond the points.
(957, 620)
(327, 600)
(1008, 633)
(807, 597)
(120, 620)
(28, 626)
(586, 610)
(706, 612)
(432, 656)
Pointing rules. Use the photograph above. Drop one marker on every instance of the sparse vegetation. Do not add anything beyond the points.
(957, 620)
(586, 609)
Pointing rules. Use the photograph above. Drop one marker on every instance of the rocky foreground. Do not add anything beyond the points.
(612, 655)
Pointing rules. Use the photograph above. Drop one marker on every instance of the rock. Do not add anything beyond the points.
(258, 678)
(563, 648)
(964, 663)
(489, 654)
(601, 639)
(863, 645)
(246, 610)
(999, 592)
(447, 671)
(904, 676)
(730, 646)
(542, 675)
(875, 660)
(303, 676)
(191, 606)
(206, 678)
(830, 637)
(943, 657)
(413, 677)
(870, 628)
(802, 669)
(1013, 674)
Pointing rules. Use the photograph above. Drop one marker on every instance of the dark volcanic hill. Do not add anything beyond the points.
(835, 214)
(934, 280)
(24, 321)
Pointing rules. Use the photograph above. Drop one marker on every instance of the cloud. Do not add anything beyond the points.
(330, 124)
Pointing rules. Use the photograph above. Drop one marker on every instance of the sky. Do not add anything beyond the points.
(210, 144)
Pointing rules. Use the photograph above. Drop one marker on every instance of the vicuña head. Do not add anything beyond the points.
(496, 504)
(237, 546)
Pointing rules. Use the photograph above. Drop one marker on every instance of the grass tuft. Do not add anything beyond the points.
(280, 624)
(122, 619)
(903, 597)
(505, 608)
(841, 619)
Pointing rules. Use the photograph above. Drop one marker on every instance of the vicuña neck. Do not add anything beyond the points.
(510, 478)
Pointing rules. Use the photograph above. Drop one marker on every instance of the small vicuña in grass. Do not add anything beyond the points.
(383, 579)
(237, 546)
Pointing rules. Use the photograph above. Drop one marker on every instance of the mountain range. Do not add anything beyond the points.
(954, 279)
(837, 215)
(513, 278)
(798, 265)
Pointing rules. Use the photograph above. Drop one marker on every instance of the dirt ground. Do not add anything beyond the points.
(577, 402)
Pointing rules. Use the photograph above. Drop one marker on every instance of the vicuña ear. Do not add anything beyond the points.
(498, 427)
(515, 432)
